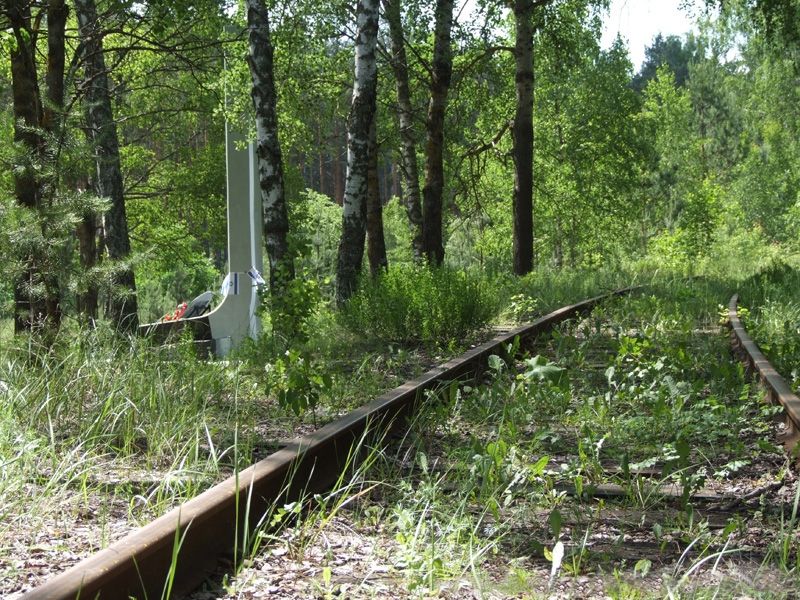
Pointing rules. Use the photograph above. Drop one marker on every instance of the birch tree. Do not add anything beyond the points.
(102, 129)
(432, 192)
(362, 113)
(270, 162)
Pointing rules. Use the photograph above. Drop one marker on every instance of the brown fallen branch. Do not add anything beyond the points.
(756, 493)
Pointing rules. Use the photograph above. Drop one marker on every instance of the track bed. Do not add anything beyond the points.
(636, 441)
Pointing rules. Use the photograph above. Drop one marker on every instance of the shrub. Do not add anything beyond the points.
(413, 304)
(315, 228)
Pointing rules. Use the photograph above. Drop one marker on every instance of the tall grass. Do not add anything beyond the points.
(6, 330)
(415, 304)
(118, 396)
(94, 421)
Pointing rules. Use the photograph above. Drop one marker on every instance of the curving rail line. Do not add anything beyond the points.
(777, 388)
(208, 528)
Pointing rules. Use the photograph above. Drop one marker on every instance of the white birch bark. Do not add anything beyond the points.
(362, 112)
(270, 162)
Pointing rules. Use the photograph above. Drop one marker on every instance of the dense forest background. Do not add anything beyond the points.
(691, 163)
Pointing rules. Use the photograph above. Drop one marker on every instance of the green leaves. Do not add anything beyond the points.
(642, 567)
(297, 381)
(554, 521)
(540, 370)
(496, 363)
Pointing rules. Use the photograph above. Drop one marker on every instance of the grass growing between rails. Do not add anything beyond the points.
(490, 494)
(101, 434)
(770, 310)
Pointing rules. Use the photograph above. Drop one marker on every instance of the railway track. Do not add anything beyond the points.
(209, 528)
(778, 391)
(207, 531)
(469, 471)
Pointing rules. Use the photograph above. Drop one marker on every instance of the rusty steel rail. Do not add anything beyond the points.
(778, 391)
(209, 527)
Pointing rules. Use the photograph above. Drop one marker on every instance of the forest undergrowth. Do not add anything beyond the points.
(100, 434)
(486, 162)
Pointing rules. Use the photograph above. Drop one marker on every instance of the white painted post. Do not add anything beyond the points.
(235, 318)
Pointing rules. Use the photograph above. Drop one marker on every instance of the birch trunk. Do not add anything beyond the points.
(405, 113)
(432, 192)
(122, 306)
(523, 138)
(362, 113)
(270, 161)
(376, 243)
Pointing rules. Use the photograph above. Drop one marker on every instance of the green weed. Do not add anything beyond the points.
(415, 304)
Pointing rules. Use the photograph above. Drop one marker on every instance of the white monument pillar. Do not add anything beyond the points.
(235, 318)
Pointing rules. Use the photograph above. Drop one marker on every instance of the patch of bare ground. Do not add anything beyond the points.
(347, 560)
(55, 534)
(51, 526)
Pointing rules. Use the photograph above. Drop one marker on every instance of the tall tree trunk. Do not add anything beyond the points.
(432, 192)
(405, 113)
(523, 138)
(29, 305)
(562, 159)
(122, 305)
(376, 244)
(396, 182)
(87, 248)
(57, 13)
(385, 174)
(270, 162)
(573, 242)
(26, 101)
(558, 246)
(338, 180)
(362, 113)
(321, 160)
